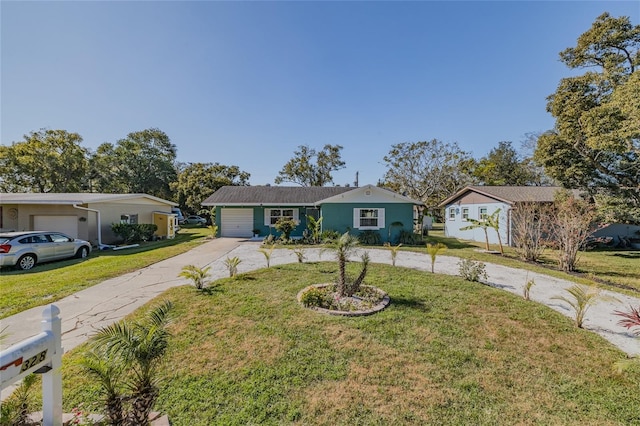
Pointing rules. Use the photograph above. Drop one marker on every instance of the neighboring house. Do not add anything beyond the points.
(242, 209)
(478, 202)
(88, 216)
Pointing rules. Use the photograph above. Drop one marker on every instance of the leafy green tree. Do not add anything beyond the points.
(503, 166)
(143, 162)
(427, 171)
(46, 161)
(197, 181)
(595, 144)
(302, 169)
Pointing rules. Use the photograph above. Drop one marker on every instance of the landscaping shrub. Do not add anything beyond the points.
(314, 297)
(471, 270)
(408, 238)
(285, 226)
(369, 237)
(134, 232)
(329, 234)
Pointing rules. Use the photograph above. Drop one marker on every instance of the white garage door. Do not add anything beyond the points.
(65, 224)
(236, 222)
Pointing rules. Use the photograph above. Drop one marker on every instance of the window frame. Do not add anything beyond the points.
(464, 212)
(270, 220)
(452, 213)
(483, 216)
(379, 217)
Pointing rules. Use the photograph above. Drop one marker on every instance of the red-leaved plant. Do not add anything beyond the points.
(631, 319)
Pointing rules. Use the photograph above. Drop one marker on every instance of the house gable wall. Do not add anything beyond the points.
(340, 216)
(452, 226)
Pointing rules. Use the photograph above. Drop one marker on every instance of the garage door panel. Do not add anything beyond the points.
(65, 224)
(236, 222)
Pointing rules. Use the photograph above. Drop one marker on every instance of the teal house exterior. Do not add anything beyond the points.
(246, 211)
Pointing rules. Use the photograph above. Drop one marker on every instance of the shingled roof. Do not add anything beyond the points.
(510, 194)
(272, 195)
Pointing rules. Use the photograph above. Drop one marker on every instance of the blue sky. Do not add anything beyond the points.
(245, 83)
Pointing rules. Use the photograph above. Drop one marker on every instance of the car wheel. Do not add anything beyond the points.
(82, 253)
(26, 262)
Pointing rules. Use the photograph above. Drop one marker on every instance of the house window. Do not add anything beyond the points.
(452, 213)
(131, 219)
(369, 218)
(271, 216)
(482, 213)
(465, 213)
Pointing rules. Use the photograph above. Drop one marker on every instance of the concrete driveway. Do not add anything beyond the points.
(95, 307)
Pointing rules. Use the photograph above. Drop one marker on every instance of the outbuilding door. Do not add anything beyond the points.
(65, 224)
(236, 222)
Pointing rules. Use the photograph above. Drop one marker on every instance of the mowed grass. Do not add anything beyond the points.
(46, 283)
(446, 352)
(618, 269)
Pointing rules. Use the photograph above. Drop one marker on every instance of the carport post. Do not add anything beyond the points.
(52, 380)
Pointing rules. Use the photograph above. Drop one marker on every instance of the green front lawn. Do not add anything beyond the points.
(617, 269)
(46, 283)
(446, 351)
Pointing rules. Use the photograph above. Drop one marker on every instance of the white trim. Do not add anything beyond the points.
(451, 209)
(267, 215)
(380, 218)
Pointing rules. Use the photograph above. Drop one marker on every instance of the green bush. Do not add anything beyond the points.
(471, 270)
(314, 297)
(370, 238)
(285, 226)
(134, 233)
(329, 234)
(408, 238)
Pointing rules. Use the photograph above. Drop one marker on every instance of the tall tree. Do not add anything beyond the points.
(595, 144)
(427, 171)
(143, 162)
(503, 166)
(46, 161)
(196, 181)
(302, 169)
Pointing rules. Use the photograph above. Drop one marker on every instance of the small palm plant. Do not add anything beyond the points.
(582, 298)
(213, 231)
(492, 221)
(394, 252)
(232, 265)
(526, 292)
(267, 253)
(139, 348)
(196, 275)
(315, 227)
(300, 254)
(433, 250)
(344, 247)
(108, 373)
(630, 319)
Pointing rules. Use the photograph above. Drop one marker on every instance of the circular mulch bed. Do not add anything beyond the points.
(384, 302)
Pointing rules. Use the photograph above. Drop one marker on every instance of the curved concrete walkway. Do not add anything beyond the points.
(95, 307)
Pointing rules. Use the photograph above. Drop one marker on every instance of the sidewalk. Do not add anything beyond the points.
(95, 307)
